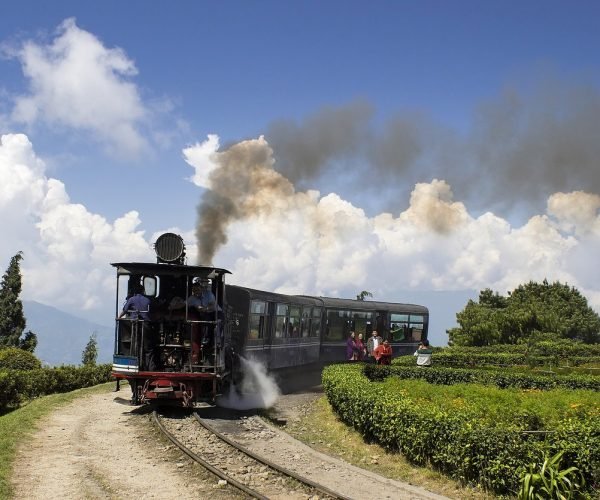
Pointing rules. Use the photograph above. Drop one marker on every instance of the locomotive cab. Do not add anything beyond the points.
(172, 343)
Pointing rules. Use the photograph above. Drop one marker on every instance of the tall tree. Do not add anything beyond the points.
(12, 319)
(90, 353)
(556, 310)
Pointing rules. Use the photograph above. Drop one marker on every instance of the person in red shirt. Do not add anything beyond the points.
(383, 353)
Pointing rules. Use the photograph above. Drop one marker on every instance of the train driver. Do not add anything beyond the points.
(202, 305)
(137, 305)
(202, 299)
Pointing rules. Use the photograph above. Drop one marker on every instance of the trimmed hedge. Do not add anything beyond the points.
(499, 378)
(562, 349)
(449, 357)
(460, 441)
(19, 386)
(12, 358)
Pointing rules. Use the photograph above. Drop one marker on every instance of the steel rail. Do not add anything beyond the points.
(217, 472)
(268, 463)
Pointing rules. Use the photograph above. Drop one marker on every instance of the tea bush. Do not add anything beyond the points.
(475, 358)
(499, 378)
(476, 434)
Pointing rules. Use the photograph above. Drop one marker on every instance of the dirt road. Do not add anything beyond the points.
(97, 448)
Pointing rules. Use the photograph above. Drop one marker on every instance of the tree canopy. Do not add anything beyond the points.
(12, 319)
(555, 310)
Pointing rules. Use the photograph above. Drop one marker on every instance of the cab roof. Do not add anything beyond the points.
(169, 270)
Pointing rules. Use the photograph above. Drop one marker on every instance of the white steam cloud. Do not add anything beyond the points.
(258, 389)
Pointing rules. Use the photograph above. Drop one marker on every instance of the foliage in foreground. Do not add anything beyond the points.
(550, 481)
(19, 386)
(470, 435)
(530, 309)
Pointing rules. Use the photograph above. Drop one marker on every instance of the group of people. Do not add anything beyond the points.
(379, 351)
(376, 350)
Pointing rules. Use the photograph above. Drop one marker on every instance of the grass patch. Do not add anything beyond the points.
(321, 429)
(17, 427)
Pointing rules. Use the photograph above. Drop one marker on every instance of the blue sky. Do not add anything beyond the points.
(453, 145)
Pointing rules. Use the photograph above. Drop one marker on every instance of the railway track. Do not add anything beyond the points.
(238, 466)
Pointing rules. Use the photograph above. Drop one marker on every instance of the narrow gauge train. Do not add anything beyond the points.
(172, 353)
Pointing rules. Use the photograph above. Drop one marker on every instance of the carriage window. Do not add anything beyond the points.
(416, 334)
(361, 320)
(294, 323)
(399, 328)
(306, 321)
(398, 318)
(406, 328)
(417, 318)
(257, 326)
(281, 320)
(416, 327)
(257, 319)
(258, 307)
(315, 327)
(338, 324)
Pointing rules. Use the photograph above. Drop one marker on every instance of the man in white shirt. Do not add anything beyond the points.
(374, 341)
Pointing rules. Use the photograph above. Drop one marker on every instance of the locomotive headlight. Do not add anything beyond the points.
(169, 247)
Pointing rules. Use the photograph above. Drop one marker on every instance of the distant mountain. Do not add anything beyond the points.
(62, 337)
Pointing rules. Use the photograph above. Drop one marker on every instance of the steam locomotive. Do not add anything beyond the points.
(174, 351)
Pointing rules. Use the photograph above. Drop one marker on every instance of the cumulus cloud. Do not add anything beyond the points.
(576, 211)
(305, 242)
(67, 248)
(75, 81)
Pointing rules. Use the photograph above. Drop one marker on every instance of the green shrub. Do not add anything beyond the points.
(12, 358)
(500, 378)
(22, 385)
(548, 480)
(476, 434)
(474, 358)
